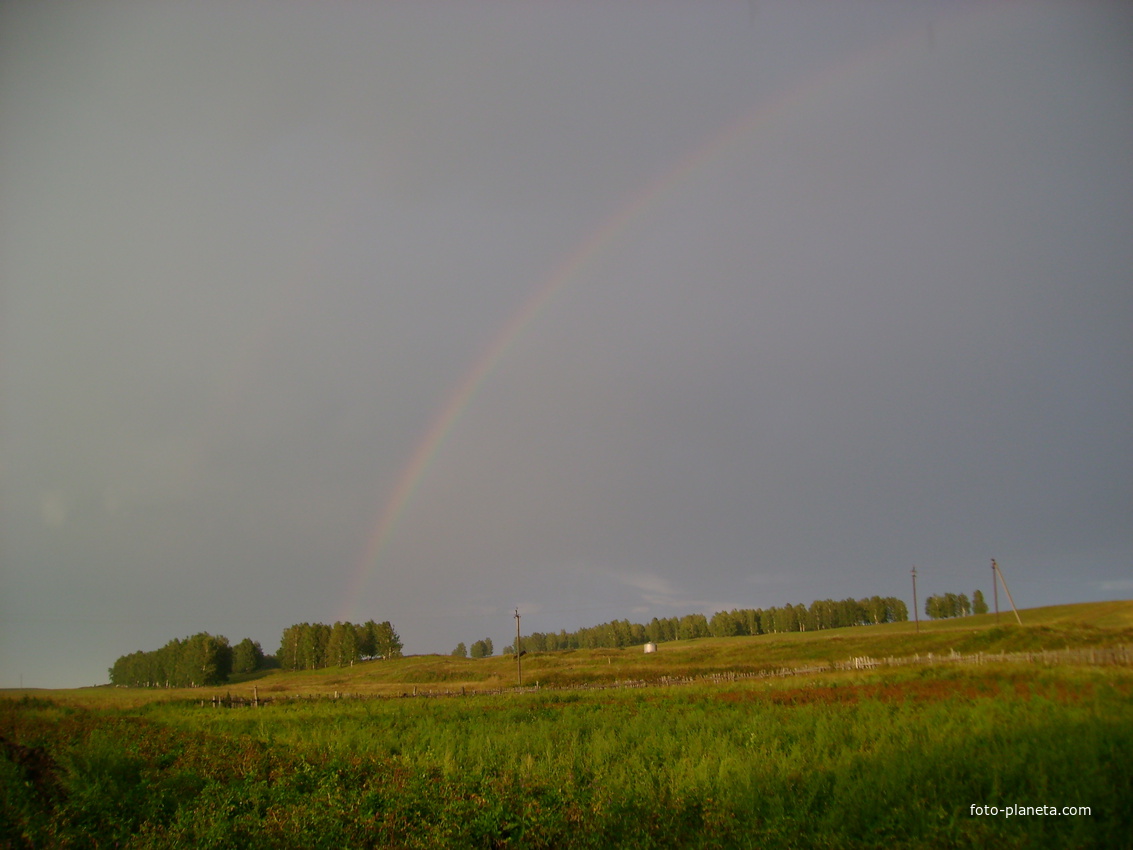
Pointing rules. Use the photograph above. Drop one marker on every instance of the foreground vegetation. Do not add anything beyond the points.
(870, 758)
(845, 761)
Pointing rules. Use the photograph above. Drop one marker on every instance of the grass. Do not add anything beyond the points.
(844, 760)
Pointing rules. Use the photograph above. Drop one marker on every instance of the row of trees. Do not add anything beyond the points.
(480, 649)
(822, 614)
(192, 662)
(309, 646)
(206, 659)
(617, 633)
(942, 605)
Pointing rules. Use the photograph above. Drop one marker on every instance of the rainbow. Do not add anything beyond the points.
(828, 83)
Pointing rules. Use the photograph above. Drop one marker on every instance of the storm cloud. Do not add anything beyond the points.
(829, 290)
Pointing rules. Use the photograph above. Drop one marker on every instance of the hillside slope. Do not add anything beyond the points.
(1095, 624)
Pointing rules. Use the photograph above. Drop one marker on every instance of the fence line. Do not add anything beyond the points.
(1121, 655)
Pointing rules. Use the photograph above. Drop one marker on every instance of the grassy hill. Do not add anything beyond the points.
(1095, 624)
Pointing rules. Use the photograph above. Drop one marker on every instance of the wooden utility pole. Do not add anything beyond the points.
(1007, 590)
(518, 662)
(995, 588)
(916, 612)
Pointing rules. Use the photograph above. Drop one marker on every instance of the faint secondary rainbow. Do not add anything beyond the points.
(609, 232)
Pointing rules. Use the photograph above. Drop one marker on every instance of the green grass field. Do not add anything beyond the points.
(870, 758)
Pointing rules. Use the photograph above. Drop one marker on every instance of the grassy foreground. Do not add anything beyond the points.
(875, 758)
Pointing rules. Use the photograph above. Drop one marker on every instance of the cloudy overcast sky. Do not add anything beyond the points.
(426, 311)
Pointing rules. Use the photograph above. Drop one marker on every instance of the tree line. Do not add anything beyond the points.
(943, 605)
(480, 649)
(191, 662)
(205, 659)
(821, 614)
(309, 646)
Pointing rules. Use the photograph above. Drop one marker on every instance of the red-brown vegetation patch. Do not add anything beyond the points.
(929, 690)
(1064, 693)
(1025, 687)
(820, 695)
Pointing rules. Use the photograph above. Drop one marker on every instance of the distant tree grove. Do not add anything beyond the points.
(482, 648)
(943, 605)
(822, 614)
(205, 659)
(979, 605)
(309, 646)
(191, 662)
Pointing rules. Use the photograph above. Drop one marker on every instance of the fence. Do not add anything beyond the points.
(1121, 655)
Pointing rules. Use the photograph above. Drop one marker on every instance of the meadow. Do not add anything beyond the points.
(868, 758)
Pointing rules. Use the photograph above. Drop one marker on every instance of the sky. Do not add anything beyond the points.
(426, 312)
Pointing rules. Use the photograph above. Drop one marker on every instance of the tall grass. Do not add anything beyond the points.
(843, 761)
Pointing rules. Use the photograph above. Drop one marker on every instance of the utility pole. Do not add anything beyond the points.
(999, 572)
(518, 662)
(916, 612)
(995, 588)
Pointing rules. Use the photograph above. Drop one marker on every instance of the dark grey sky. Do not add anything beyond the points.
(870, 306)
